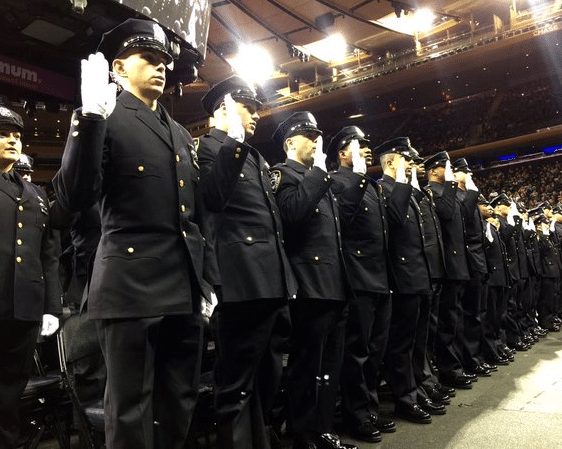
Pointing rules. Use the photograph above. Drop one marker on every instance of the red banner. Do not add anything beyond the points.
(34, 78)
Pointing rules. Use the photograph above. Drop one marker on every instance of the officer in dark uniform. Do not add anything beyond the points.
(411, 283)
(548, 212)
(145, 285)
(508, 227)
(24, 166)
(365, 249)
(496, 285)
(252, 316)
(319, 312)
(473, 301)
(29, 284)
(443, 189)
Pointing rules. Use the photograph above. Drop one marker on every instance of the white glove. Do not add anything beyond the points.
(414, 179)
(50, 325)
(469, 183)
(401, 171)
(98, 95)
(319, 156)
(552, 222)
(233, 120)
(511, 214)
(544, 229)
(449, 175)
(532, 225)
(359, 163)
(489, 235)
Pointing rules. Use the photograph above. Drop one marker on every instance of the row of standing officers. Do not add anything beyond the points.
(302, 257)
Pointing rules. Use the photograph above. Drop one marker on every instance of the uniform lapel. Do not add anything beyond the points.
(8, 189)
(145, 115)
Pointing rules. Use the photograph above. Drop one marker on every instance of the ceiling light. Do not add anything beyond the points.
(331, 49)
(253, 63)
(355, 116)
(423, 20)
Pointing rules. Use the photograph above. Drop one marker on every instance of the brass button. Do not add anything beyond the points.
(236, 156)
(19, 242)
(184, 234)
(182, 208)
(249, 238)
(241, 175)
(317, 210)
(366, 209)
(182, 183)
(177, 157)
(131, 250)
(75, 122)
(75, 134)
(18, 259)
(140, 168)
(20, 208)
(358, 251)
(20, 225)
(238, 150)
(316, 258)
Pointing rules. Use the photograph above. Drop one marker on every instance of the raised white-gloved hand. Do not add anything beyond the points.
(552, 227)
(233, 120)
(489, 235)
(511, 214)
(449, 175)
(401, 172)
(319, 156)
(50, 325)
(469, 183)
(359, 163)
(532, 225)
(98, 95)
(545, 228)
(414, 179)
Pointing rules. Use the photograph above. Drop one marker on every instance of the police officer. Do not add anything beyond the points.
(411, 283)
(30, 296)
(443, 189)
(318, 313)
(365, 250)
(252, 316)
(24, 166)
(145, 285)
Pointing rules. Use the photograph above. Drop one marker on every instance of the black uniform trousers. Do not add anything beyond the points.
(546, 306)
(17, 345)
(366, 337)
(398, 360)
(490, 322)
(315, 362)
(153, 368)
(449, 314)
(510, 324)
(468, 341)
(251, 338)
(420, 359)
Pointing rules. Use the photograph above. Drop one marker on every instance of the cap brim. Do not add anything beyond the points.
(152, 45)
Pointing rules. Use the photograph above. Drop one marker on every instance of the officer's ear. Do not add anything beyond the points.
(118, 66)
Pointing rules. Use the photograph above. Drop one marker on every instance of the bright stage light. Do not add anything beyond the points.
(423, 20)
(331, 49)
(253, 63)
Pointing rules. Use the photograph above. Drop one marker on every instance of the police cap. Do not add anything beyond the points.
(399, 145)
(235, 86)
(298, 123)
(342, 138)
(499, 200)
(9, 117)
(135, 33)
(482, 200)
(545, 205)
(25, 164)
(437, 160)
(461, 165)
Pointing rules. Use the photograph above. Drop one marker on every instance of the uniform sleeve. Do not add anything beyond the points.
(297, 199)
(349, 193)
(397, 201)
(445, 203)
(78, 182)
(50, 254)
(470, 203)
(220, 170)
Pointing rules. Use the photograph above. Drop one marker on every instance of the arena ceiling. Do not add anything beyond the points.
(50, 34)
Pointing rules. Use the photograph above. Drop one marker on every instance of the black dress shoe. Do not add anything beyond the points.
(459, 382)
(437, 397)
(428, 406)
(385, 425)
(520, 346)
(469, 376)
(539, 331)
(449, 391)
(501, 361)
(366, 431)
(489, 366)
(331, 441)
(413, 413)
(480, 371)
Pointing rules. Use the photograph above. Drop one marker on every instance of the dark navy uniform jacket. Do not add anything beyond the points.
(508, 233)
(408, 261)
(496, 256)
(453, 227)
(29, 252)
(144, 174)
(364, 230)
(549, 256)
(474, 231)
(312, 230)
(247, 227)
